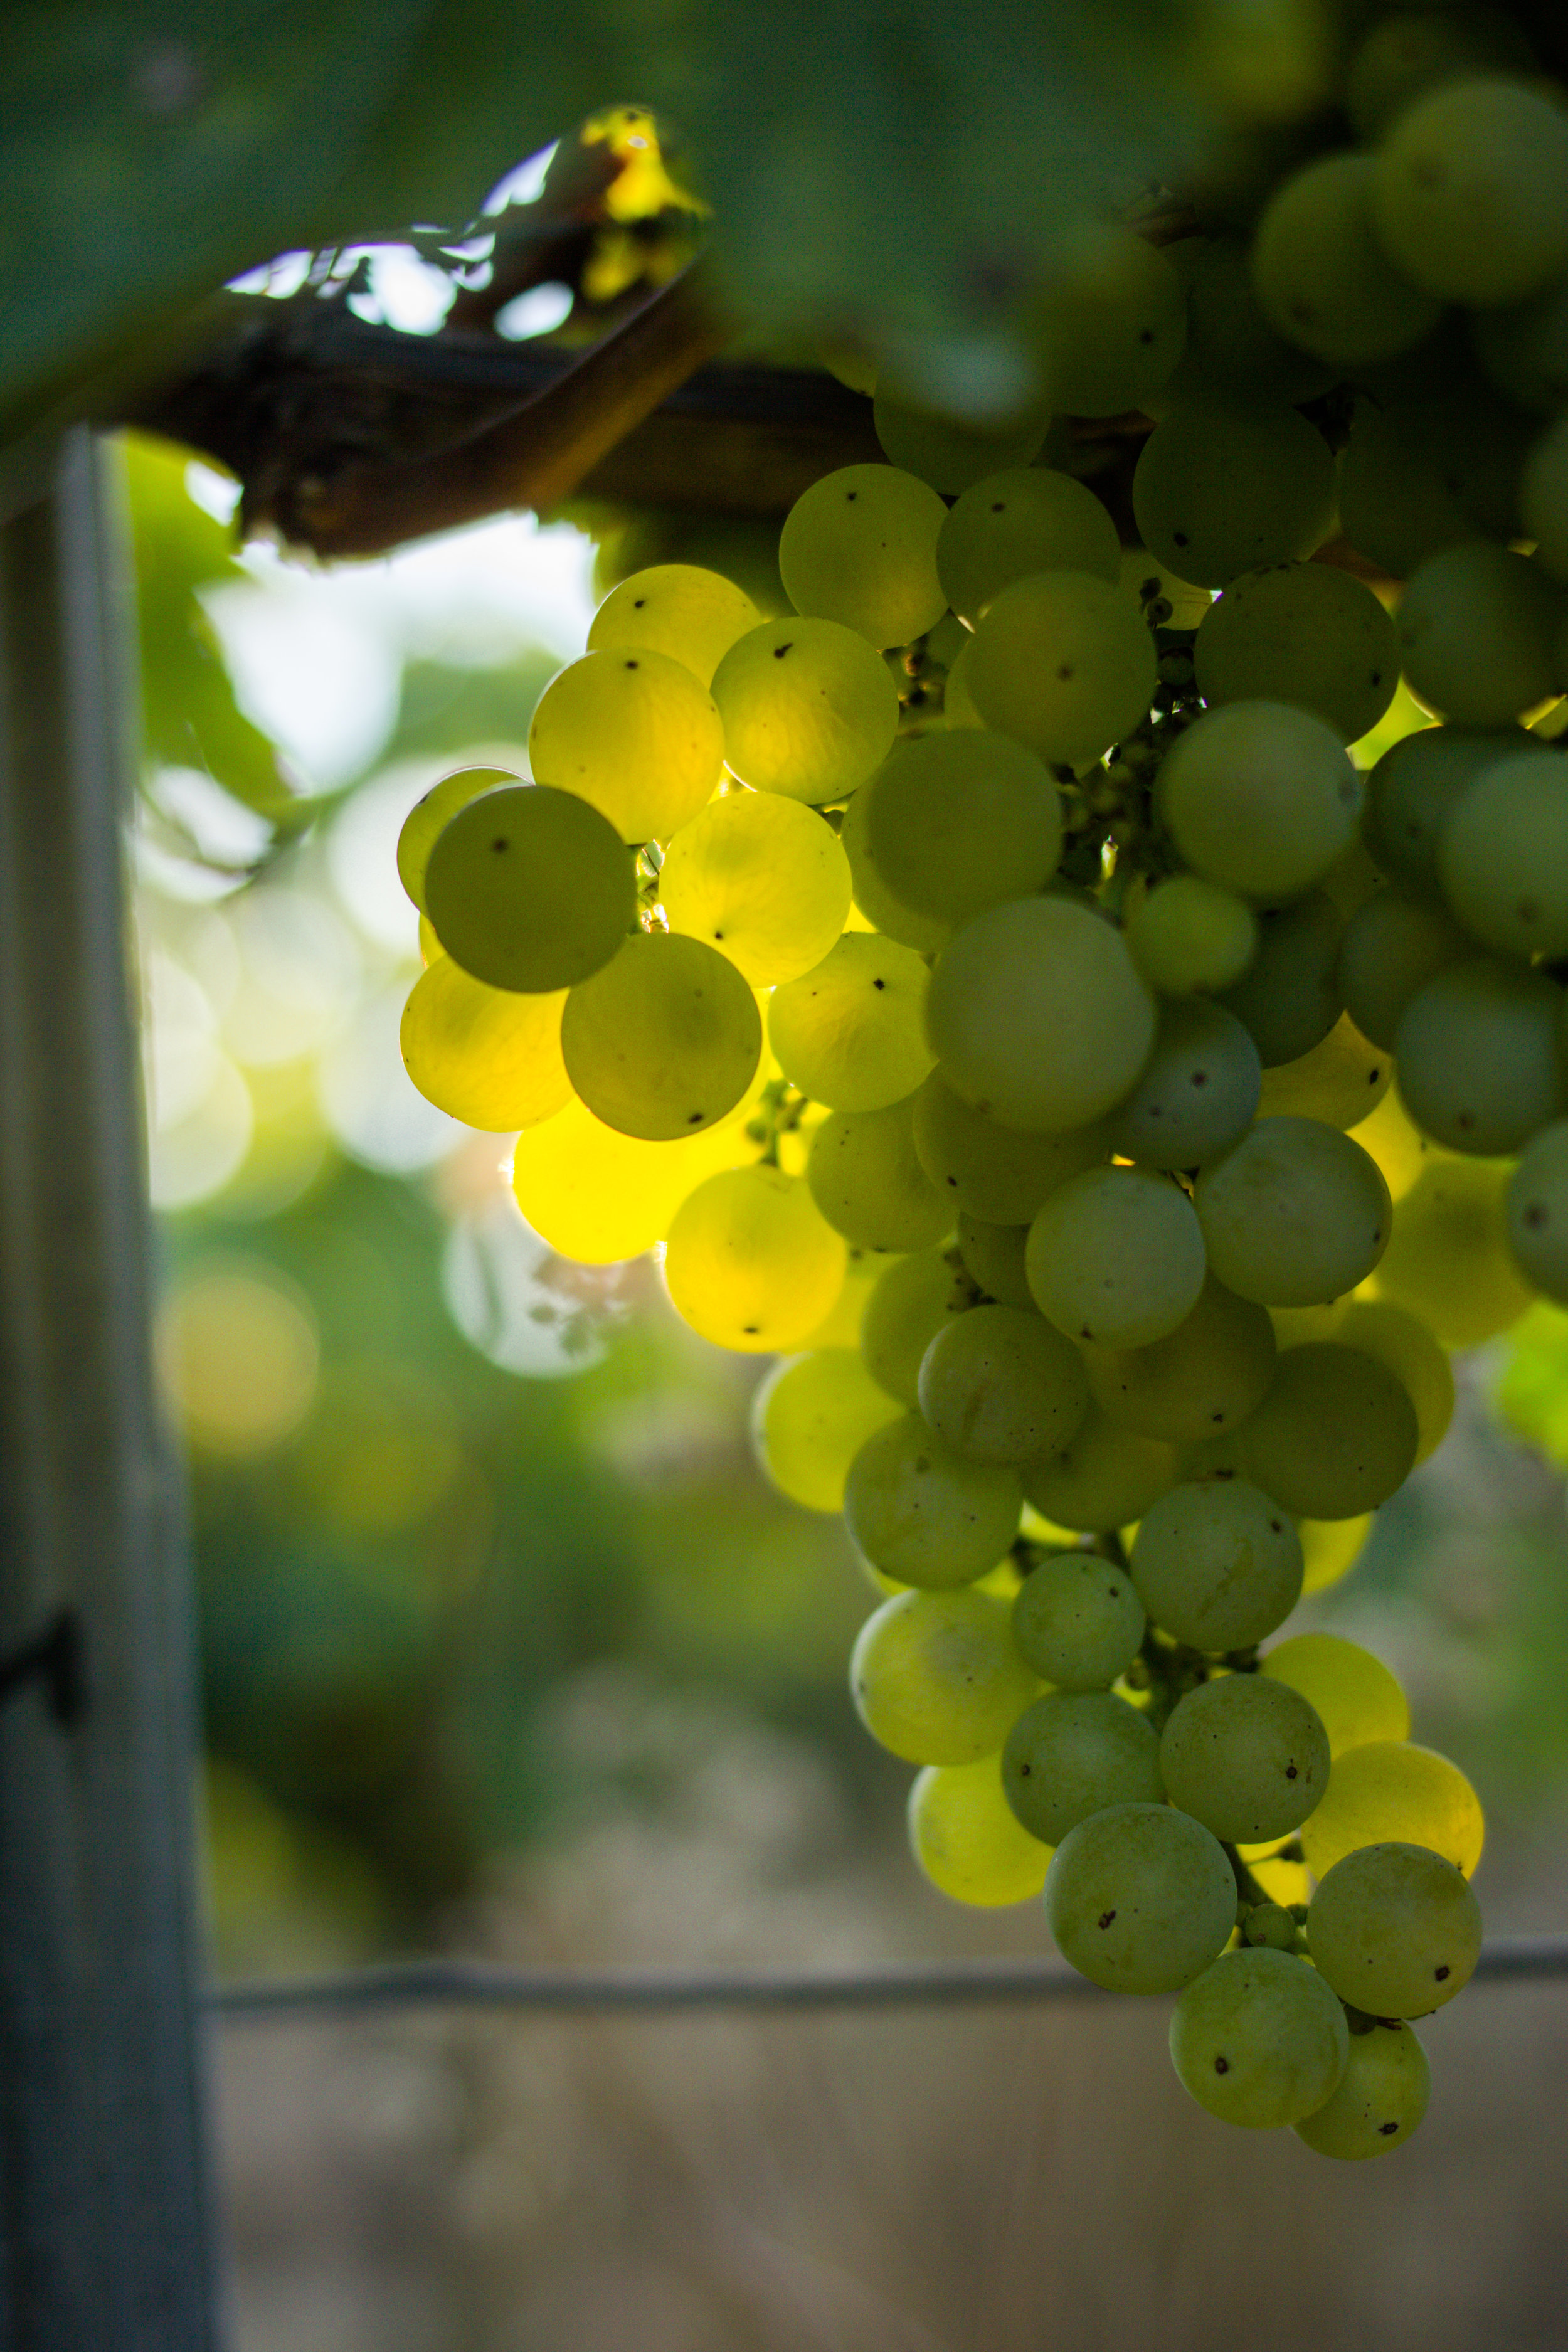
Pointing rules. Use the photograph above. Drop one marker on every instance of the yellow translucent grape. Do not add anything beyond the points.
(598, 1196)
(1330, 1549)
(489, 1056)
(429, 818)
(967, 1838)
(751, 1262)
(1448, 1259)
(429, 945)
(1403, 1343)
(761, 878)
(810, 1418)
(692, 615)
(809, 709)
(859, 546)
(1356, 1696)
(851, 1033)
(1396, 1143)
(634, 733)
(1393, 1793)
(1340, 1081)
(840, 1326)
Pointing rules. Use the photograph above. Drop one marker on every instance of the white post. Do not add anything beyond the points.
(106, 2236)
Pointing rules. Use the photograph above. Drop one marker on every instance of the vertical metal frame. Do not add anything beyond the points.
(106, 2234)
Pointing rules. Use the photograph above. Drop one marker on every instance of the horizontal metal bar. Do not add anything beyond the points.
(479, 1984)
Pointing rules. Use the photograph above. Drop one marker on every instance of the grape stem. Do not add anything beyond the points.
(1247, 1890)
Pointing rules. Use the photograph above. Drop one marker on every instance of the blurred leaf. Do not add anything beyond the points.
(445, 709)
(189, 715)
(903, 164)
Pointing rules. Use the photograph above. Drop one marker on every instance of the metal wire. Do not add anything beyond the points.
(932, 1984)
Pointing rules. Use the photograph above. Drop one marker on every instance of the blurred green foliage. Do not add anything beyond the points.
(904, 163)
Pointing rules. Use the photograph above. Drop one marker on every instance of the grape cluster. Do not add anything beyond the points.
(986, 980)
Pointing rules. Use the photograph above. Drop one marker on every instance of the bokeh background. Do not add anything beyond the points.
(508, 1648)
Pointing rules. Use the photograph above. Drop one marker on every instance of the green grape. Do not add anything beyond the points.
(1208, 1376)
(530, 889)
(1260, 798)
(1064, 662)
(925, 1512)
(1391, 947)
(1400, 1340)
(958, 703)
(849, 1033)
(1355, 1696)
(1380, 2099)
(1217, 1565)
(1233, 354)
(1199, 1091)
(1222, 488)
(995, 1173)
(1330, 1549)
(1523, 351)
(1037, 1015)
(1449, 1263)
(429, 818)
(1012, 524)
(678, 609)
(1543, 498)
(1537, 1212)
(809, 709)
(909, 1304)
(1188, 936)
(967, 1838)
(1259, 2040)
(1078, 1621)
(881, 911)
(1477, 628)
(761, 878)
(1116, 1256)
(949, 453)
(1340, 1081)
(1404, 56)
(486, 1055)
(1412, 791)
(1105, 1478)
(1140, 1898)
(1289, 997)
(633, 733)
(954, 824)
(936, 1676)
(1478, 1054)
(1304, 633)
(1470, 192)
(663, 1040)
(1392, 1790)
(1297, 1214)
(1109, 323)
(866, 1181)
(1246, 1757)
(1503, 856)
(1429, 465)
(1335, 1436)
(999, 1385)
(995, 1257)
(809, 1419)
(859, 547)
(1394, 1929)
(1322, 279)
(750, 1261)
(1072, 1754)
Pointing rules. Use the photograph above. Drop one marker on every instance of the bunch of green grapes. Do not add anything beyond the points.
(1110, 1078)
